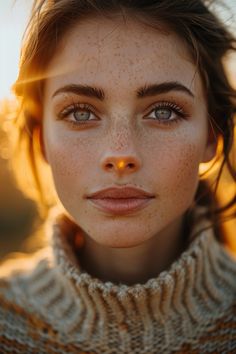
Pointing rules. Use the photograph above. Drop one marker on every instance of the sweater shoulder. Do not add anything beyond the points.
(219, 338)
(20, 326)
(16, 273)
(25, 331)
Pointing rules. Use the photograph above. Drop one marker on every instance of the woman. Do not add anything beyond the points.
(124, 100)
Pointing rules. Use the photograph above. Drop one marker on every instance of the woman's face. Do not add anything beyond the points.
(124, 106)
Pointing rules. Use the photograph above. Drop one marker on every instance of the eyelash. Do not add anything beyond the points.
(85, 107)
(72, 109)
(173, 107)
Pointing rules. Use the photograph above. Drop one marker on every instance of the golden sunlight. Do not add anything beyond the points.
(18, 213)
(13, 18)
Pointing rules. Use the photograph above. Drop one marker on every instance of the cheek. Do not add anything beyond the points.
(175, 170)
(69, 158)
(184, 168)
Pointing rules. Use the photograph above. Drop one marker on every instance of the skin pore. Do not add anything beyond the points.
(161, 134)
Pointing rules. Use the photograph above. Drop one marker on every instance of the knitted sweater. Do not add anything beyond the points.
(48, 304)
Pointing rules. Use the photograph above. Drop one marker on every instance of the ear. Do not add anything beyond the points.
(211, 146)
(42, 145)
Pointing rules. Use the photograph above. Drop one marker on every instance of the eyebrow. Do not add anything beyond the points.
(82, 90)
(142, 92)
(156, 89)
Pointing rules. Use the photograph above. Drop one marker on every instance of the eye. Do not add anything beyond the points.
(166, 113)
(77, 113)
(81, 115)
(163, 113)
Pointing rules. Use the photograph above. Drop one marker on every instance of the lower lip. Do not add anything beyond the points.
(121, 206)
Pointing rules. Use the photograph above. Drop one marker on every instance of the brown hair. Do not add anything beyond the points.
(193, 20)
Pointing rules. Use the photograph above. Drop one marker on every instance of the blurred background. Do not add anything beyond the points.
(18, 215)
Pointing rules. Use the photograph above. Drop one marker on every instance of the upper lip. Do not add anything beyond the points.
(120, 193)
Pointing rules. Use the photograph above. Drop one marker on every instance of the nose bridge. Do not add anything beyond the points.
(121, 136)
(121, 154)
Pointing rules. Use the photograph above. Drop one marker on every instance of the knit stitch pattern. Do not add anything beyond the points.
(50, 305)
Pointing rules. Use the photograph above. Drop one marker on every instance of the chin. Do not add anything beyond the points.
(119, 237)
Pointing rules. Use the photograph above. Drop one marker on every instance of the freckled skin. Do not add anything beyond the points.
(120, 58)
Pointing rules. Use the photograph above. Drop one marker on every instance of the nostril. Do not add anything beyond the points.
(130, 165)
(109, 166)
(118, 166)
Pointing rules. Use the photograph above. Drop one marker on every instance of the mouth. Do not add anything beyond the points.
(120, 201)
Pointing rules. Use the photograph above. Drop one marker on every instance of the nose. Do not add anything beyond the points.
(121, 153)
(121, 164)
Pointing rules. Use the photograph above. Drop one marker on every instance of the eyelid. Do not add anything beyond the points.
(168, 104)
(66, 111)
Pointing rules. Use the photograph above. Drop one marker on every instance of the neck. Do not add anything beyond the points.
(134, 264)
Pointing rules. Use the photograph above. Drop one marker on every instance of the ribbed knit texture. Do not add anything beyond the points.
(51, 305)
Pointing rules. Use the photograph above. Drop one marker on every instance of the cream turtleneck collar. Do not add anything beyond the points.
(176, 307)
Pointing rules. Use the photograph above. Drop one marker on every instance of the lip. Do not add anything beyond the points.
(120, 200)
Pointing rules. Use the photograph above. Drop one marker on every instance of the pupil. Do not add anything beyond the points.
(81, 115)
(163, 113)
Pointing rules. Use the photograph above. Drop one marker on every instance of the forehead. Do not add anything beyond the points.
(103, 51)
